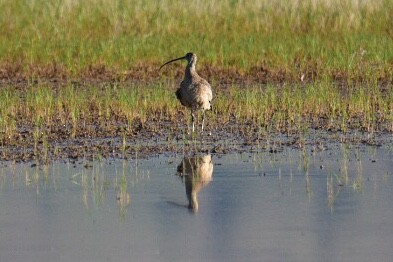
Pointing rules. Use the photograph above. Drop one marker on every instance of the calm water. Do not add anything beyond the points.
(334, 205)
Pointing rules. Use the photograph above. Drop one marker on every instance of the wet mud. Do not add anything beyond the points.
(110, 140)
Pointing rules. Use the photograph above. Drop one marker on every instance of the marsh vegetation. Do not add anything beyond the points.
(88, 71)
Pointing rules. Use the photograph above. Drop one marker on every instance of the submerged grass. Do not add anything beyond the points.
(320, 39)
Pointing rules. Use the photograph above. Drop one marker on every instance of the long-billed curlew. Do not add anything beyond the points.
(194, 92)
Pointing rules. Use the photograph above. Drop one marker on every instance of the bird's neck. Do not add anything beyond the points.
(190, 70)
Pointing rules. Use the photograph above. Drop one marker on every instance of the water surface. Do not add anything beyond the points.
(332, 205)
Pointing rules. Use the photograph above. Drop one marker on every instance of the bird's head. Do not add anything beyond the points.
(190, 57)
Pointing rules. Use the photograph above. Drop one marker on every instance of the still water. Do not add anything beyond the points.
(332, 205)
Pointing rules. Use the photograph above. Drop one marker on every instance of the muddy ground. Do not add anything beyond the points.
(111, 141)
(18, 74)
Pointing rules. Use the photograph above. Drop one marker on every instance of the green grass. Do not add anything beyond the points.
(315, 37)
(43, 109)
(296, 106)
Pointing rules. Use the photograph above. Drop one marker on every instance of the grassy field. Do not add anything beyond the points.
(275, 66)
(321, 39)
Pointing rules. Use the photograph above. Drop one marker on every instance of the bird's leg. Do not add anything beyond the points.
(203, 119)
(193, 121)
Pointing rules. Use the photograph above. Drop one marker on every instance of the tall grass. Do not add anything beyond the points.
(316, 37)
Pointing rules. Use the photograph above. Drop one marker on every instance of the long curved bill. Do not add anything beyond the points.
(180, 58)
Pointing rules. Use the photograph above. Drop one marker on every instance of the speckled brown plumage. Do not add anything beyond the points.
(194, 92)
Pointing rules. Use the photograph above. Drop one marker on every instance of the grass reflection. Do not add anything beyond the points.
(342, 167)
(123, 197)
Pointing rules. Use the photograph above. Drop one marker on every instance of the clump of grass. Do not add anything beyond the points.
(42, 109)
(297, 108)
(8, 112)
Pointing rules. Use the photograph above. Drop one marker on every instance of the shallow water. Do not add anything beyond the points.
(332, 205)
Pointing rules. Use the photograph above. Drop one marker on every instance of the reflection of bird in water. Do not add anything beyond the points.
(197, 172)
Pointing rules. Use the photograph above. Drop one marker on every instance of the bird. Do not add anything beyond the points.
(197, 172)
(194, 92)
